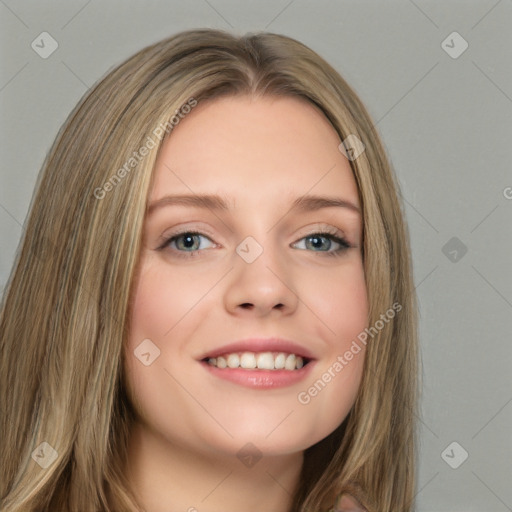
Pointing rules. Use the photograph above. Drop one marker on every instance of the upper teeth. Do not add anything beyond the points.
(262, 361)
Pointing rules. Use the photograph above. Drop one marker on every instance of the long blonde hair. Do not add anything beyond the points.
(65, 312)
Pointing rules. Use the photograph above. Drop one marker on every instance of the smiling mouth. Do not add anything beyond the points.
(258, 361)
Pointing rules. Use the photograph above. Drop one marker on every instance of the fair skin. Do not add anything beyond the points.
(198, 294)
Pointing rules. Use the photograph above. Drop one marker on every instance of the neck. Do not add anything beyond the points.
(166, 477)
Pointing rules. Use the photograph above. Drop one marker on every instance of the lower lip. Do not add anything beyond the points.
(260, 379)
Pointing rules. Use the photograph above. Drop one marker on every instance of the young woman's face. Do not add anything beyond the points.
(251, 256)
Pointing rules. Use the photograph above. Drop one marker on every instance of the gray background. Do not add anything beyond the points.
(446, 123)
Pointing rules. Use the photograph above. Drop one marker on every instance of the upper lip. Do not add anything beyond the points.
(261, 345)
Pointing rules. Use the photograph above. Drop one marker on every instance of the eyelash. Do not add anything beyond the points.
(325, 233)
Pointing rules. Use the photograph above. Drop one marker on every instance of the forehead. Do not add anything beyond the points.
(264, 145)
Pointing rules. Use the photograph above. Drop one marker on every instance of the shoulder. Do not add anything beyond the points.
(348, 504)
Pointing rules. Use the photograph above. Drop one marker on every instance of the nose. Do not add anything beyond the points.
(261, 287)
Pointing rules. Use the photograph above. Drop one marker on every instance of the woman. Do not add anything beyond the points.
(212, 308)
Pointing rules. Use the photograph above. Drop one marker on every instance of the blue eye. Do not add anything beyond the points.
(187, 241)
(324, 242)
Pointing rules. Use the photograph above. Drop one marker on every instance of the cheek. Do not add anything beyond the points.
(342, 306)
(341, 303)
(162, 298)
(153, 312)
(165, 305)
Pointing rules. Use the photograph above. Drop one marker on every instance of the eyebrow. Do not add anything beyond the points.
(217, 203)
